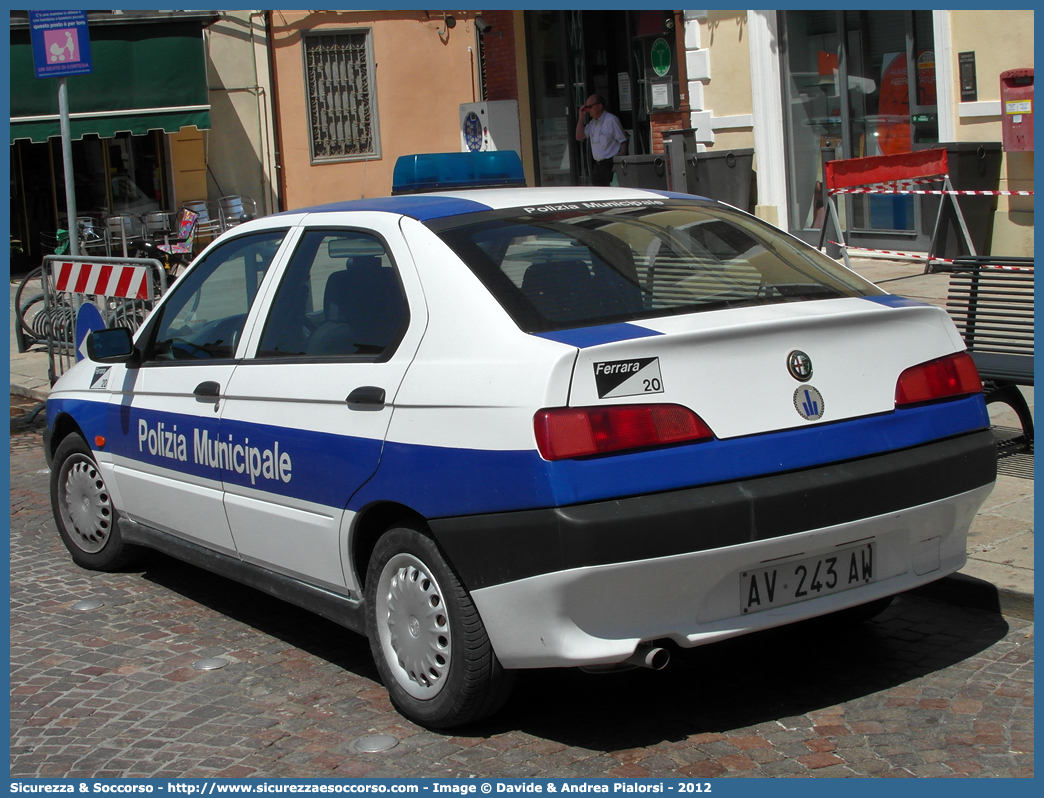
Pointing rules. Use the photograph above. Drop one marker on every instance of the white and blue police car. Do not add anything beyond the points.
(496, 429)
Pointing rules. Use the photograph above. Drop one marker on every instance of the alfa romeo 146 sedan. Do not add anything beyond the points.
(497, 429)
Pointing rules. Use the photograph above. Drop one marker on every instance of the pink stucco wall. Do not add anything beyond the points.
(422, 78)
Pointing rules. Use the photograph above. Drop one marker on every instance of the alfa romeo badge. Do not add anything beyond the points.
(799, 365)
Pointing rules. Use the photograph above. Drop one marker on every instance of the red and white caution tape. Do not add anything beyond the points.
(1002, 267)
(102, 279)
(940, 191)
(922, 256)
(908, 182)
(916, 255)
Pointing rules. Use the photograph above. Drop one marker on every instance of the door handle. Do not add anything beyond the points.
(367, 397)
(207, 390)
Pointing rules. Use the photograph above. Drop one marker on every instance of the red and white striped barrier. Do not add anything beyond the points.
(937, 192)
(102, 279)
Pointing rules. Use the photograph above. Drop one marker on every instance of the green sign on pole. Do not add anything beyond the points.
(660, 57)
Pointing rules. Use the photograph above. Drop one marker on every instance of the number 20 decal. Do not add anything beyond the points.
(628, 377)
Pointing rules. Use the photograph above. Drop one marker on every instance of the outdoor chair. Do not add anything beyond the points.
(93, 236)
(208, 224)
(124, 233)
(181, 242)
(158, 225)
(232, 207)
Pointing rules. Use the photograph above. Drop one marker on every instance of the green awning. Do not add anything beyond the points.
(148, 76)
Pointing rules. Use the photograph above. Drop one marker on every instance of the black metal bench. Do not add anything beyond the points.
(990, 300)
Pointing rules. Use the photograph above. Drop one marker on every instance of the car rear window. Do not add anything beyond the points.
(564, 266)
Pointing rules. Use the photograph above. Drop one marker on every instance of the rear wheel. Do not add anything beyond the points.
(426, 635)
(83, 509)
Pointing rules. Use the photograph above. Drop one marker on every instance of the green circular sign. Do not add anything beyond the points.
(660, 57)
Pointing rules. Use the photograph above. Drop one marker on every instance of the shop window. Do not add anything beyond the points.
(342, 98)
(859, 83)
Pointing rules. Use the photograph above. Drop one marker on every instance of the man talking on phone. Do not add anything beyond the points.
(607, 138)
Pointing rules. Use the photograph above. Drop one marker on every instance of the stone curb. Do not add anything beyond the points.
(39, 394)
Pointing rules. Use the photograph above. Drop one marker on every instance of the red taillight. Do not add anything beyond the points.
(565, 432)
(953, 375)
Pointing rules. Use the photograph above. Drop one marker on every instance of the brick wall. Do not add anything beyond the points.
(662, 122)
(499, 50)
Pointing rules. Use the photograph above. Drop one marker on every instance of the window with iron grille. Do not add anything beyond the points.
(342, 102)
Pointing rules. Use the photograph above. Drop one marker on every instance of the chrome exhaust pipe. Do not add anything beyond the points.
(649, 657)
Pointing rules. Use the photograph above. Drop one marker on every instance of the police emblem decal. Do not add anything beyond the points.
(799, 365)
(809, 403)
(472, 132)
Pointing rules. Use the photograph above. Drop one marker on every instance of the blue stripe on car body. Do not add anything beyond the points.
(90, 416)
(446, 482)
(893, 301)
(442, 482)
(583, 337)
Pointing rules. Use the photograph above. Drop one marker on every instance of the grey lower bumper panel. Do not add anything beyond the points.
(503, 547)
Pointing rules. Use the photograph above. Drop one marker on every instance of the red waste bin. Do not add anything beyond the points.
(1017, 109)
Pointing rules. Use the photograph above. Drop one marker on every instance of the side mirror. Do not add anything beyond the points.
(112, 346)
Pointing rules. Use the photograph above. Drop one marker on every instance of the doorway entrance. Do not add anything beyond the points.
(573, 54)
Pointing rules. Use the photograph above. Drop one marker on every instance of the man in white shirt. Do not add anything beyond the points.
(607, 138)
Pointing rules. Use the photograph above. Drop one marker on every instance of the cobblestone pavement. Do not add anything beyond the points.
(926, 689)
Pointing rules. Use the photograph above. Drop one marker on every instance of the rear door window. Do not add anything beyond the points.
(340, 297)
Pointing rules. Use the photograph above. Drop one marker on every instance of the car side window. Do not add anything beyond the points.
(203, 317)
(340, 296)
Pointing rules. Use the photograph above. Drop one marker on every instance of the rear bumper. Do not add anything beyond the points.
(585, 584)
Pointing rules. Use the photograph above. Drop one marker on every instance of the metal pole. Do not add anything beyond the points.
(70, 184)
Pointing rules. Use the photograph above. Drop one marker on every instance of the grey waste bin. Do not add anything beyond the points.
(726, 175)
(974, 166)
(641, 171)
(722, 175)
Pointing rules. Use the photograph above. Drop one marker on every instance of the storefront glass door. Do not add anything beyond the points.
(551, 91)
(859, 83)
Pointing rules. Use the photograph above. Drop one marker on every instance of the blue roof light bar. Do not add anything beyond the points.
(442, 171)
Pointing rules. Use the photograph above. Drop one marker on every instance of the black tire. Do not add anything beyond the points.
(426, 635)
(83, 509)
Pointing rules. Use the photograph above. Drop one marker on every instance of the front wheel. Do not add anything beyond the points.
(83, 509)
(426, 635)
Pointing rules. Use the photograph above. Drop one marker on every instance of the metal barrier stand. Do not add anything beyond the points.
(123, 289)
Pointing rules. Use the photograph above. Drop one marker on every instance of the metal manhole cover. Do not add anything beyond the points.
(209, 664)
(375, 743)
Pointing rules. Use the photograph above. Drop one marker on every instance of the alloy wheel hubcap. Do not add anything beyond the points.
(85, 504)
(413, 626)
